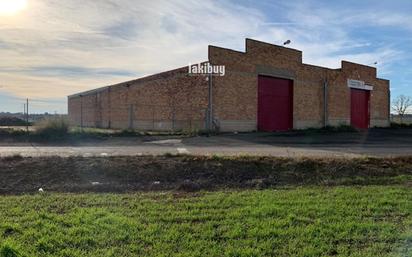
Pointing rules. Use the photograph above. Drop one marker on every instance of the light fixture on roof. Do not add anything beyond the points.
(287, 42)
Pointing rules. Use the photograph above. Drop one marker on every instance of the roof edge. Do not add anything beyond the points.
(125, 83)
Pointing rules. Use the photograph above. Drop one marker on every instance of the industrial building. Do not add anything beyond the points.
(265, 88)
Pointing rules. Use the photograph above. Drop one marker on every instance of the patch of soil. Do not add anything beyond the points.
(20, 175)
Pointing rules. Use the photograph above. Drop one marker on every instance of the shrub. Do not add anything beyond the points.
(400, 125)
(341, 128)
(329, 129)
(12, 121)
(11, 132)
(52, 128)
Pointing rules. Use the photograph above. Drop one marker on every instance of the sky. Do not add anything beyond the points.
(53, 48)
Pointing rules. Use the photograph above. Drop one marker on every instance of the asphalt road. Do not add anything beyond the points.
(293, 144)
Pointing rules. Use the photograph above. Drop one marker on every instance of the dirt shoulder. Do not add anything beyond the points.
(190, 173)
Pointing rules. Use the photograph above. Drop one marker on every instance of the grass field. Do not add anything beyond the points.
(306, 221)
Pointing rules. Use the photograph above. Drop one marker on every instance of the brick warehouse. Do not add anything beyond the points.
(265, 88)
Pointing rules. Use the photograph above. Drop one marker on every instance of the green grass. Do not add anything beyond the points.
(335, 221)
(57, 131)
(400, 125)
(328, 130)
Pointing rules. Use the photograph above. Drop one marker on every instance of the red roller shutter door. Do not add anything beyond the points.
(359, 117)
(275, 104)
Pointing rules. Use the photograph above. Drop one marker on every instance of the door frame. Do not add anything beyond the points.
(292, 100)
(368, 107)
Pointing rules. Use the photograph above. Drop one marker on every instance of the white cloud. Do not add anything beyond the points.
(139, 36)
(325, 37)
(144, 37)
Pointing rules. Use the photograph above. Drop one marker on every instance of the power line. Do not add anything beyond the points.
(37, 100)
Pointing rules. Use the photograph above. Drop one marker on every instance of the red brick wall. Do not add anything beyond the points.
(235, 95)
(161, 102)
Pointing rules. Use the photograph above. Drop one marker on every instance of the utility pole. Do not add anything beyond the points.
(27, 116)
(210, 103)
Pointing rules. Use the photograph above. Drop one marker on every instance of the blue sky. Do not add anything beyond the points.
(51, 49)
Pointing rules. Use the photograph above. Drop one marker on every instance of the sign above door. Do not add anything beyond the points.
(359, 84)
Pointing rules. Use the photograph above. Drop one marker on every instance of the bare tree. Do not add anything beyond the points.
(401, 105)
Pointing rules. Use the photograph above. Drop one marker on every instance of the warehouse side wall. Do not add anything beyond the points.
(172, 100)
